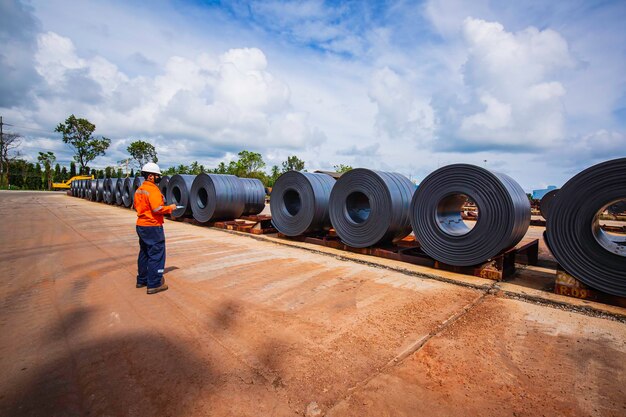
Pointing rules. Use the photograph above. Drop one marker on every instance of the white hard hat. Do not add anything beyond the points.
(151, 168)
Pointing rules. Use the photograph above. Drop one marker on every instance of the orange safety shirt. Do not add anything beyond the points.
(150, 205)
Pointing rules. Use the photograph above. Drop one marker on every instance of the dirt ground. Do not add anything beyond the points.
(252, 328)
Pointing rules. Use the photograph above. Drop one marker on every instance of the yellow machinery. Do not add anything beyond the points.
(65, 185)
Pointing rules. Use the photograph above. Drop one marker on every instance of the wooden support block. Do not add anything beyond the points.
(568, 285)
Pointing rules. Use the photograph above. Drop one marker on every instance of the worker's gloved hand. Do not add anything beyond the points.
(173, 206)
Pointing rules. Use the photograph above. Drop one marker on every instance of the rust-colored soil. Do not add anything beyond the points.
(251, 328)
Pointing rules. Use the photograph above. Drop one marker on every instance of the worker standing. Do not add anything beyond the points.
(150, 207)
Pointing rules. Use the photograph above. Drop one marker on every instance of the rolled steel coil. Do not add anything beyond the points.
(573, 232)
(216, 197)
(178, 192)
(127, 192)
(255, 196)
(106, 195)
(546, 203)
(299, 202)
(165, 181)
(83, 189)
(436, 214)
(80, 188)
(369, 207)
(99, 190)
(119, 191)
(91, 190)
(87, 195)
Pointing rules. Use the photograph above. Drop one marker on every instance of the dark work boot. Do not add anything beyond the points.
(162, 287)
(157, 289)
(140, 285)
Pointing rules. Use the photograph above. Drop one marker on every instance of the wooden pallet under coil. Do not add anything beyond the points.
(255, 224)
(408, 250)
(568, 285)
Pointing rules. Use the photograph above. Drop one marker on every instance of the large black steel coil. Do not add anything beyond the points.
(92, 191)
(546, 203)
(119, 191)
(579, 244)
(165, 181)
(215, 197)
(255, 196)
(369, 207)
(99, 190)
(299, 202)
(178, 192)
(436, 214)
(81, 188)
(109, 190)
(127, 192)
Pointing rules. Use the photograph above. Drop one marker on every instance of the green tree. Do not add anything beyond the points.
(196, 168)
(273, 176)
(78, 134)
(341, 168)
(34, 179)
(72, 169)
(56, 177)
(249, 164)
(47, 159)
(132, 173)
(221, 169)
(64, 175)
(108, 172)
(142, 152)
(293, 163)
(20, 170)
(119, 173)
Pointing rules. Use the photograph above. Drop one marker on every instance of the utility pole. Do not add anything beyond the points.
(1, 153)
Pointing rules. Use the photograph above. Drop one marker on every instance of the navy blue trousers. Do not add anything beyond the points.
(151, 259)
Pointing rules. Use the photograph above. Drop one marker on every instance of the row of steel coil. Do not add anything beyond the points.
(205, 196)
(367, 207)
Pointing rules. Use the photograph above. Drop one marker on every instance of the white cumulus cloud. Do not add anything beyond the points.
(402, 113)
(511, 96)
(218, 102)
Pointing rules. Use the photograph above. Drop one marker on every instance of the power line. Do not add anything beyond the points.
(32, 128)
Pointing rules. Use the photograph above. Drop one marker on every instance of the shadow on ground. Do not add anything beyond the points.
(134, 375)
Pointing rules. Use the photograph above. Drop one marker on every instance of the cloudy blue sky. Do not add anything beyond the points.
(537, 89)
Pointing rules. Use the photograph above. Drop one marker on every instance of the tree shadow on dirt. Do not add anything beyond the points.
(134, 375)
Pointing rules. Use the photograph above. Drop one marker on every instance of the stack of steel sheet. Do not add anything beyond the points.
(99, 190)
(178, 192)
(436, 214)
(119, 191)
(127, 192)
(215, 197)
(573, 231)
(165, 180)
(369, 207)
(299, 202)
(546, 203)
(255, 196)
